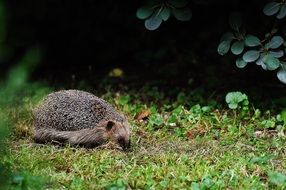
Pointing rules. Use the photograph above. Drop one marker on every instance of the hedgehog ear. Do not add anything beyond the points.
(109, 125)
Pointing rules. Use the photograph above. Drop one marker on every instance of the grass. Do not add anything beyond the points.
(181, 145)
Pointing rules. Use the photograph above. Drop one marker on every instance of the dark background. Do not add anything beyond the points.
(84, 40)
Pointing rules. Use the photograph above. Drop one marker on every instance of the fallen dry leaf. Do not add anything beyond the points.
(143, 115)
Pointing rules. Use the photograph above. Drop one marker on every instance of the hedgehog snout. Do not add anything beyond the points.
(123, 143)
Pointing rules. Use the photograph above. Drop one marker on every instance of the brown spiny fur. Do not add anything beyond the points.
(79, 118)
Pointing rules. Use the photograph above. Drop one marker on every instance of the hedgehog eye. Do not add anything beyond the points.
(109, 125)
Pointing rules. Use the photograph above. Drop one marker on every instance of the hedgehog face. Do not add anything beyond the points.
(119, 133)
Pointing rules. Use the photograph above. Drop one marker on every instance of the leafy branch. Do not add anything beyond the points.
(155, 13)
(268, 53)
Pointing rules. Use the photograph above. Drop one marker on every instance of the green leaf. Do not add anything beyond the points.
(156, 119)
(277, 178)
(283, 115)
(275, 42)
(195, 186)
(144, 12)
(178, 3)
(116, 185)
(207, 183)
(271, 8)
(281, 75)
(165, 13)
(277, 54)
(172, 119)
(234, 98)
(250, 56)
(223, 47)
(178, 111)
(232, 106)
(237, 47)
(268, 124)
(260, 62)
(18, 179)
(260, 159)
(153, 22)
(184, 14)
(123, 100)
(271, 62)
(159, 121)
(282, 12)
(240, 63)
(235, 21)
(252, 41)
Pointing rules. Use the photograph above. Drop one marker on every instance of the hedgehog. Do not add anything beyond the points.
(80, 119)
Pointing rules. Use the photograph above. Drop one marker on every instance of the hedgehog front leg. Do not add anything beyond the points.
(89, 138)
(50, 135)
